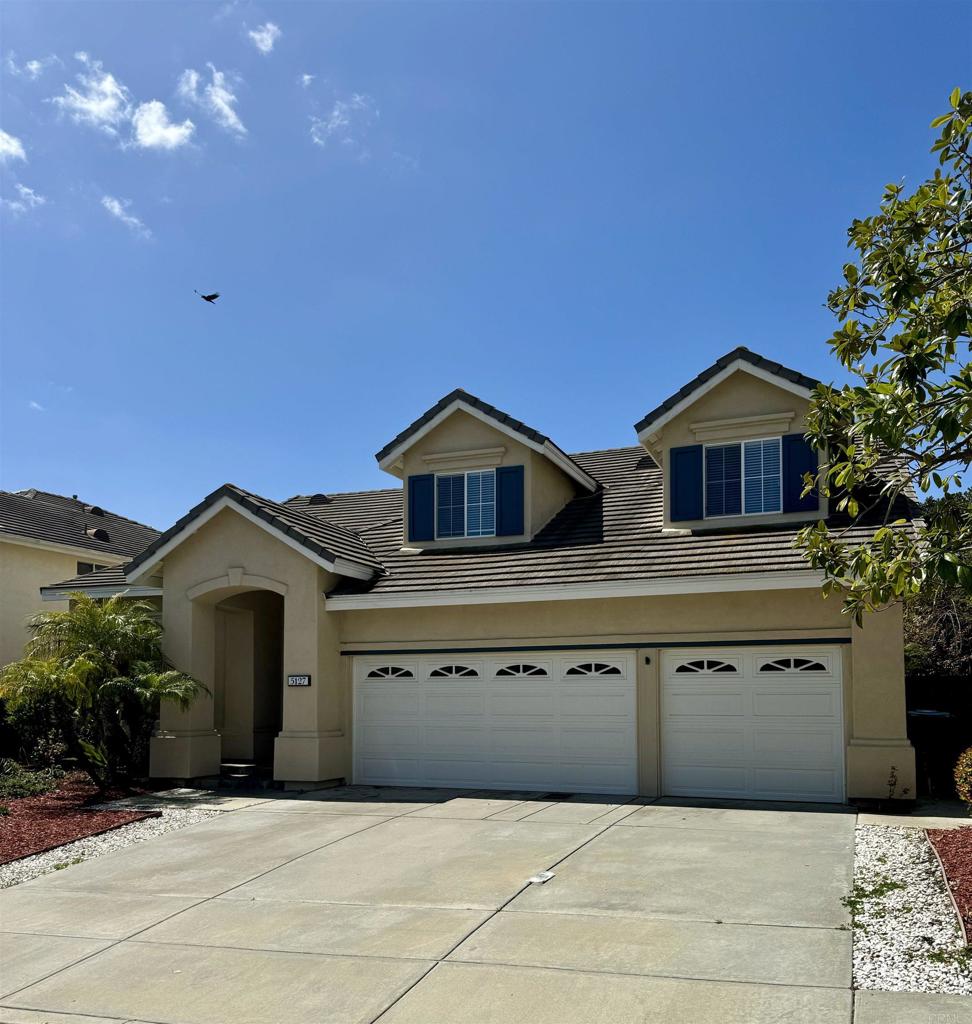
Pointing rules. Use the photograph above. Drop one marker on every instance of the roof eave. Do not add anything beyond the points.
(389, 457)
(105, 590)
(715, 583)
(653, 423)
(141, 567)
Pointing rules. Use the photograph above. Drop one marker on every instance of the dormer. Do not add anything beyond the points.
(731, 446)
(475, 476)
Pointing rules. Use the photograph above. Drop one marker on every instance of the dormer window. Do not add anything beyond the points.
(465, 504)
(744, 478)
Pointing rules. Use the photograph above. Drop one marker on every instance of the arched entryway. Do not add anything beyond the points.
(248, 690)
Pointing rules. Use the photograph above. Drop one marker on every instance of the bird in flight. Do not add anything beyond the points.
(207, 298)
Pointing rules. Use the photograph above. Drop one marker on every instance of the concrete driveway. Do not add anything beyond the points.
(415, 907)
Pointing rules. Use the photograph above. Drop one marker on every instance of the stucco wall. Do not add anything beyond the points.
(740, 395)
(676, 617)
(225, 549)
(872, 663)
(23, 571)
(546, 489)
(234, 555)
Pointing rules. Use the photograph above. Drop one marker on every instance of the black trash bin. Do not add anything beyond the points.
(935, 737)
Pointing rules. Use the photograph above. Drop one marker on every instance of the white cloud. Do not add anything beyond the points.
(154, 130)
(305, 80)
(11, 148)
(30, 69)
(346, 125)
(216, 98)
(118, 208)
(36, 406)
(101, 102)
(264, 36)
(27, 199)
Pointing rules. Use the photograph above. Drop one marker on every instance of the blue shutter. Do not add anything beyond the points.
(421, 507)
(799, 457)
(685, 482)
(509, 501)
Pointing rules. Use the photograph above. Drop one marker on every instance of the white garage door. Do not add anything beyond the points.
(758, 722)
(515, 721)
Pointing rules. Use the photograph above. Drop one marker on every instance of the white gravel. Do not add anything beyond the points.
(96, 846)
(895, 929)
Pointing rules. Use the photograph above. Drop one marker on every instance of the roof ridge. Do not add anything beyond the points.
(32, 493)
(740, 352)
(344, 494)
(295, 510)
(604, 451)
(287, 519)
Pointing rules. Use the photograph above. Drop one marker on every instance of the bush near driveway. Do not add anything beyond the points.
(963, 777)
(96, 674)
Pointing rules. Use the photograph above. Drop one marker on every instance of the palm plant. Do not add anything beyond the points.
(100, 668)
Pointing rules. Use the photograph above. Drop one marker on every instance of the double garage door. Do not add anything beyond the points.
(762, 723)
(515, 721)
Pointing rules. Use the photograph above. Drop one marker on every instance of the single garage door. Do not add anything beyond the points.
(512, 721)
(761, 723)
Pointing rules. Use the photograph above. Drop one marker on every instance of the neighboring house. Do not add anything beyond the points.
(48, 536)
(629, 621)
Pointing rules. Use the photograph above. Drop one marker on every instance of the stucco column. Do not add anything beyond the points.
(878, 737)
(187, 744)
(312, 745)
(648, 673)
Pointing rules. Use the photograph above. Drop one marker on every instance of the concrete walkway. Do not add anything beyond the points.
(415, 907)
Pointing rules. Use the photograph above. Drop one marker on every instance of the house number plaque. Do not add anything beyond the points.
(298, 680)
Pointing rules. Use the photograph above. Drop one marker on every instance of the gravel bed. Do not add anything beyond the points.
(96, 846)
(906, 936)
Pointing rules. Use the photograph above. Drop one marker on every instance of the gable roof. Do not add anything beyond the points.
(332, 546)
(57, 519)
(463, 400)
(738, 359)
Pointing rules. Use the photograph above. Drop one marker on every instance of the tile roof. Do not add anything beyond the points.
(614, 534)
(324, 537)
(743, 353)
(57, 519)
(112, 576)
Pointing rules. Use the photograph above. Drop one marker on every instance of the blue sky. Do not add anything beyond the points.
(567, 209)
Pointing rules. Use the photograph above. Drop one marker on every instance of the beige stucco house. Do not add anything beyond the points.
(509, 616)
(45, 537)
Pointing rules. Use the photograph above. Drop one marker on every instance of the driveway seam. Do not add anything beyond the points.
(692, 920)
(75, 1013)
(632, 974)
(499, 909)
(204, 899)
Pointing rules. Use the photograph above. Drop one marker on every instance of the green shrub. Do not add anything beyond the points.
(30, 730)
(963, 776)
(92, 681)
(17, 781)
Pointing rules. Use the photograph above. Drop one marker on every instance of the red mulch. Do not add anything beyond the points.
(38, 823)
(954, 846)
